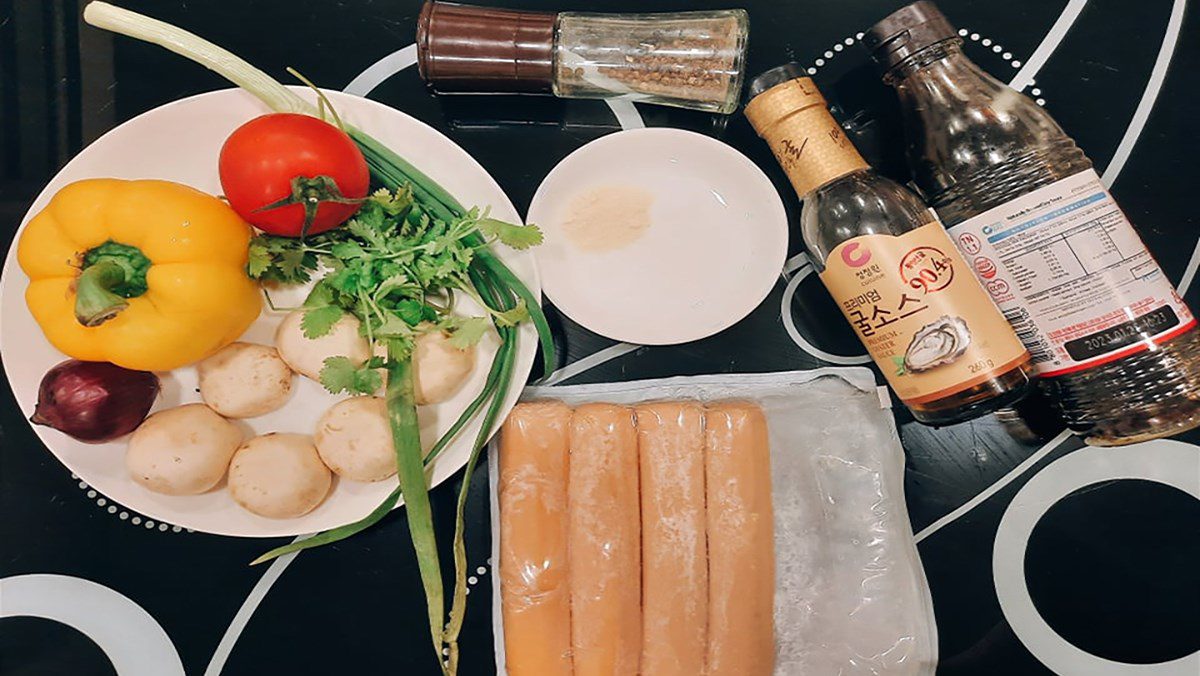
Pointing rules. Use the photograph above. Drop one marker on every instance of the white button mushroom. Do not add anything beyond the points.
(182, 451)
(307, 356)
(355, 439)
(278, 476)
(244, 380)
(439, 369)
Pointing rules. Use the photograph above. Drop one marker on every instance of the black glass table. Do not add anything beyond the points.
(1043, 556)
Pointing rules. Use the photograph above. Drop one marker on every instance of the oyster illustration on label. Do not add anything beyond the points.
(938, 342)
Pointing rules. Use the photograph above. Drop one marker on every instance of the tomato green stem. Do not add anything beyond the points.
(311, 193)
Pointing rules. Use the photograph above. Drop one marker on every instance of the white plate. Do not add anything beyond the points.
(715, 247)
(180, 142)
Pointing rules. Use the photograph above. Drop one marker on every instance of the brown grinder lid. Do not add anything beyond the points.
(907, 31)
(467, 48)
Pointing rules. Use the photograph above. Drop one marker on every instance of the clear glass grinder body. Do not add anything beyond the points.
(940, 341)
(1115, 346)
(689, 59)
(683, 59)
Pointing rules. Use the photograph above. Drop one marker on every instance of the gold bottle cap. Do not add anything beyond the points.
(810, 145)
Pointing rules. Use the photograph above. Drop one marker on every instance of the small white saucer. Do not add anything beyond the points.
(716, 244)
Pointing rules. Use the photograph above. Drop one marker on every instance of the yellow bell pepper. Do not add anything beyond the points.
(149, 275)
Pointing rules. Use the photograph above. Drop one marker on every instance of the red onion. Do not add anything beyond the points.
(94, 401)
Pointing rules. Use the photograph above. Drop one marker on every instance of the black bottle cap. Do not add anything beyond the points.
(907, 31)
(775, 76)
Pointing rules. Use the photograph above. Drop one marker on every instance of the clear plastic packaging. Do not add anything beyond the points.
(850, 596)
(685, 59)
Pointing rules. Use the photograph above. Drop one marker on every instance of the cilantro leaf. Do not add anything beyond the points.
(319, 321)
(367, 229)
(259, 259)
(400, 347)
(337, 375)
(342, 375)
(468, 332)
(367, 380)
(393, 326)
(393, 204)
(344, 280)
(414, 311)
(348, 249)
(321, 295)
(514, 316)
(294, 265)
(516, 236)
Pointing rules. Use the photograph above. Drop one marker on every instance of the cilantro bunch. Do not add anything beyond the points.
(397, 270)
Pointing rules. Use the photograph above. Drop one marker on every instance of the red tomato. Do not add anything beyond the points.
(274, 166)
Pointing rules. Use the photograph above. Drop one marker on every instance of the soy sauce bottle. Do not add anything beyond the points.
(940, 341)
(1115, 346)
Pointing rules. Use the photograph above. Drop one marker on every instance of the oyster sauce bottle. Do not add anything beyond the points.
(888, 263)
(1115, 346)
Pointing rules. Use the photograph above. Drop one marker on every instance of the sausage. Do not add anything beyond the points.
(741, 542)
(674, 559)
(534, 588)
(604, 542)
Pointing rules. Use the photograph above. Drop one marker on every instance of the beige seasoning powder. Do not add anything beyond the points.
(608, 218)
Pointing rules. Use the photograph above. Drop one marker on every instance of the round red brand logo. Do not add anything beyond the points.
(856, 255)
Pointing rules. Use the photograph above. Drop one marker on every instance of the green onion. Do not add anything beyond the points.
(406, 437)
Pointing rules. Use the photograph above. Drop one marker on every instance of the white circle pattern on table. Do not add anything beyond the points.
(133, 640)
(1164, 461)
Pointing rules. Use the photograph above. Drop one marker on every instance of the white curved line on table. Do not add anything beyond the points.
(789, 323)
(376, 73)
(240, 619)
(1189, 273)
(626, 113)
(134, 642)
(1049, 43)
(590, 362)
(1157, 75)
(795, 263)
(1165, 461)
(992, 489)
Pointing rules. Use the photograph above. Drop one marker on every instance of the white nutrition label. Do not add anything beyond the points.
(1072, 276)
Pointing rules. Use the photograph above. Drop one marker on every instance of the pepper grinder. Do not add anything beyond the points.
(684, 59)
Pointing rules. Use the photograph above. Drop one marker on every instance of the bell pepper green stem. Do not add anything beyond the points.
(95, 301)
(111, 273)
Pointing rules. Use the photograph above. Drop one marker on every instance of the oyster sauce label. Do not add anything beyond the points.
(1072, 276)
(927, 323)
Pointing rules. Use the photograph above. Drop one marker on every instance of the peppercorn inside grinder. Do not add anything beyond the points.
(684, 59)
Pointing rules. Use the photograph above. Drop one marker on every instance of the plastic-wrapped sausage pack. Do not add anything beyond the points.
(734, 524)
